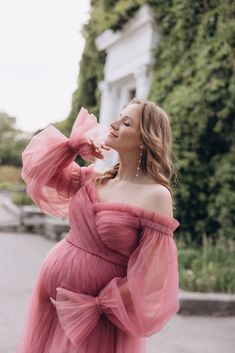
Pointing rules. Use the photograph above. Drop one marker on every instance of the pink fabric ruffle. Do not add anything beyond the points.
(140, 304)
(48, 163)
(147, 218)
(78, 313)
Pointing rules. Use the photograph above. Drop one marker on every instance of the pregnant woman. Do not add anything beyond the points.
(113, 280)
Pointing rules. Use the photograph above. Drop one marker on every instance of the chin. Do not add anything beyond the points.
(108, 142)
(110, 145)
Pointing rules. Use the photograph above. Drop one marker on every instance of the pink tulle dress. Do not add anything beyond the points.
(114, 277)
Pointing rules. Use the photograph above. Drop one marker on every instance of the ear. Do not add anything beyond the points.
(141, 146)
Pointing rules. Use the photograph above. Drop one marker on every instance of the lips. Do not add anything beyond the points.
(112, 135)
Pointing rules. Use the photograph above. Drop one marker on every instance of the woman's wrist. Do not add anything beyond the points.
(86, 149)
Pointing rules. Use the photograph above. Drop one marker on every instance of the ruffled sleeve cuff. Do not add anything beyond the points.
(50, 154)
(159, 222)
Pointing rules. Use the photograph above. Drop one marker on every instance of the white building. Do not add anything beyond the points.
(127, 67)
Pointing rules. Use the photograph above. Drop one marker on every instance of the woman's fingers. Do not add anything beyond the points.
(96, 151)
(105, 147)
(53, 301)
(98, 154)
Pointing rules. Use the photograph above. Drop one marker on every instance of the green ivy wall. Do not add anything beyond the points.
(194, 82)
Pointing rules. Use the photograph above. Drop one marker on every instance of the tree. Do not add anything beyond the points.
(12, 141)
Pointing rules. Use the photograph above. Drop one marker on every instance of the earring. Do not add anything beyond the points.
(138, 167)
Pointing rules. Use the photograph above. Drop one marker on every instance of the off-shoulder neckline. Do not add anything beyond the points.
(137, 211)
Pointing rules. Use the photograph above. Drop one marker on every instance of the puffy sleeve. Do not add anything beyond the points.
(142, 302)
(49, 171)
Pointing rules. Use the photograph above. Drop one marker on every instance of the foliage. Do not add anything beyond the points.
(12, 184)
(12, 142)
(210, 268)
(91, 72)
(7, 186)
(193, 80)
(195, 84)
(21, 199)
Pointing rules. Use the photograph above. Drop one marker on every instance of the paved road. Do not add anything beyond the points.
(20, 258)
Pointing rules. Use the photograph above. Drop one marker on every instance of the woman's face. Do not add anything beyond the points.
(124, 132)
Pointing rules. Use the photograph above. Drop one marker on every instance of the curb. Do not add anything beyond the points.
(214, 304)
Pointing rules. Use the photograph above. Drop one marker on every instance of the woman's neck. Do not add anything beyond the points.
(128, 167)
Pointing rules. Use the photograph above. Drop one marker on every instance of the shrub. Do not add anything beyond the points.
(21, 199)
(210, 268)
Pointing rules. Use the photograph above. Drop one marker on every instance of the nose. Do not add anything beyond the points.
(114, 125)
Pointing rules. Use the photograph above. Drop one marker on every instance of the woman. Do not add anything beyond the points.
(114, 279)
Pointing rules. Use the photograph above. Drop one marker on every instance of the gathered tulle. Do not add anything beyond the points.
(77, 320)
(138, 310)
(114, 279)
(148, 297)
(49, 170)
(80, 272)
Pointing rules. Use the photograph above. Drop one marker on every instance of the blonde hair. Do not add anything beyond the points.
(156, 135)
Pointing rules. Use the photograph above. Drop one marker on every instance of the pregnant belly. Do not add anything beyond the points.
(70, 267)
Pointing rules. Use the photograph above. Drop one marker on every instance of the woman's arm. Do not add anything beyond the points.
(49, 171)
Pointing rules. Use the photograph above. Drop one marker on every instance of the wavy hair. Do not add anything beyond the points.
(156, 135)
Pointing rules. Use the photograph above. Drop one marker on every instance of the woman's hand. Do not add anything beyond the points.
(96, 151)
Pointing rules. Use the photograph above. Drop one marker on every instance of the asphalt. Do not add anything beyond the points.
(20, 258)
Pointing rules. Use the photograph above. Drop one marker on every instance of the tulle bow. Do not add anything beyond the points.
(78, 313)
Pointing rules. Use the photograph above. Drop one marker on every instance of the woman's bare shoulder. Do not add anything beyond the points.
(158, 198)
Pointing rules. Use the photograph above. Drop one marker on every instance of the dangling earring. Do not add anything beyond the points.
(138, 167)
